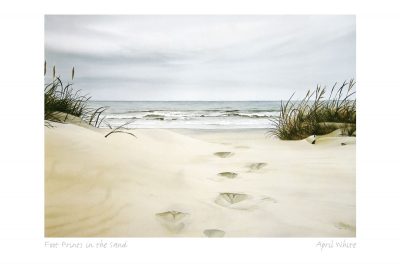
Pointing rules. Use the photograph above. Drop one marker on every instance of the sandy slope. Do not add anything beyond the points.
(171, 183)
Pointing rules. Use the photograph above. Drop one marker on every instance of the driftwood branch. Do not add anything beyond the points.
(121, 129)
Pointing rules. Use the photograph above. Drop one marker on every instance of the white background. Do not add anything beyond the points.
(22, 144)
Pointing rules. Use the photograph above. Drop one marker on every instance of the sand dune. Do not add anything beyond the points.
(181, 183)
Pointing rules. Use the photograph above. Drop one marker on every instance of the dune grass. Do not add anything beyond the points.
(59, 98)
(62, 100)
(317, 115)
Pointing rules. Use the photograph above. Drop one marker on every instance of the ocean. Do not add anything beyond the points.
(190, 114)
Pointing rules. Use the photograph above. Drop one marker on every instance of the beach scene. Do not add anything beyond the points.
(200, 126)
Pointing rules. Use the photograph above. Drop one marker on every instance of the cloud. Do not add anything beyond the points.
(201, 57)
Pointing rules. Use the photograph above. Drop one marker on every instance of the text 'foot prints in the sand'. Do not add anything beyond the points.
(172, 220)
(256, 166)
(223, 154)
(230, 175)
(214, 233)
(345, 226)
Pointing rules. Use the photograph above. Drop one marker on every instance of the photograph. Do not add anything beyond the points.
(200, 126)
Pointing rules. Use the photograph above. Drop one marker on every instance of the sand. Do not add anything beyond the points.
(197, 183)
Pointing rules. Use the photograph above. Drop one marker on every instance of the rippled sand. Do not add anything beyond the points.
(179, 183)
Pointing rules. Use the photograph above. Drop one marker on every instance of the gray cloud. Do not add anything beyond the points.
(201, 57)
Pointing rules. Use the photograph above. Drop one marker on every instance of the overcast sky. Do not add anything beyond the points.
(201, 57)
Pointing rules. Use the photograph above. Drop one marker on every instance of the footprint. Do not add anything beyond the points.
(233, 198)
(237, 201)
(229, 199)
(214, 233)
(230, 175)
(345, 226)
(172, 215)
(270, 199)
(172, 220)
(243, 147)
(256, 166)
(224, 154)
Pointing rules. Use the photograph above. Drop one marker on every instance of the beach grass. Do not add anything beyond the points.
(317, 115)
(61, 100)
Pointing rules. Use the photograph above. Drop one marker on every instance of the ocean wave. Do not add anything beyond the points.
(121, 118)
(153, 116)
(254, 116)
(192, 114)
(193, 111)
(263, 110)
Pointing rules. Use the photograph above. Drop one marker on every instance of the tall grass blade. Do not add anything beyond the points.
(315, 115)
